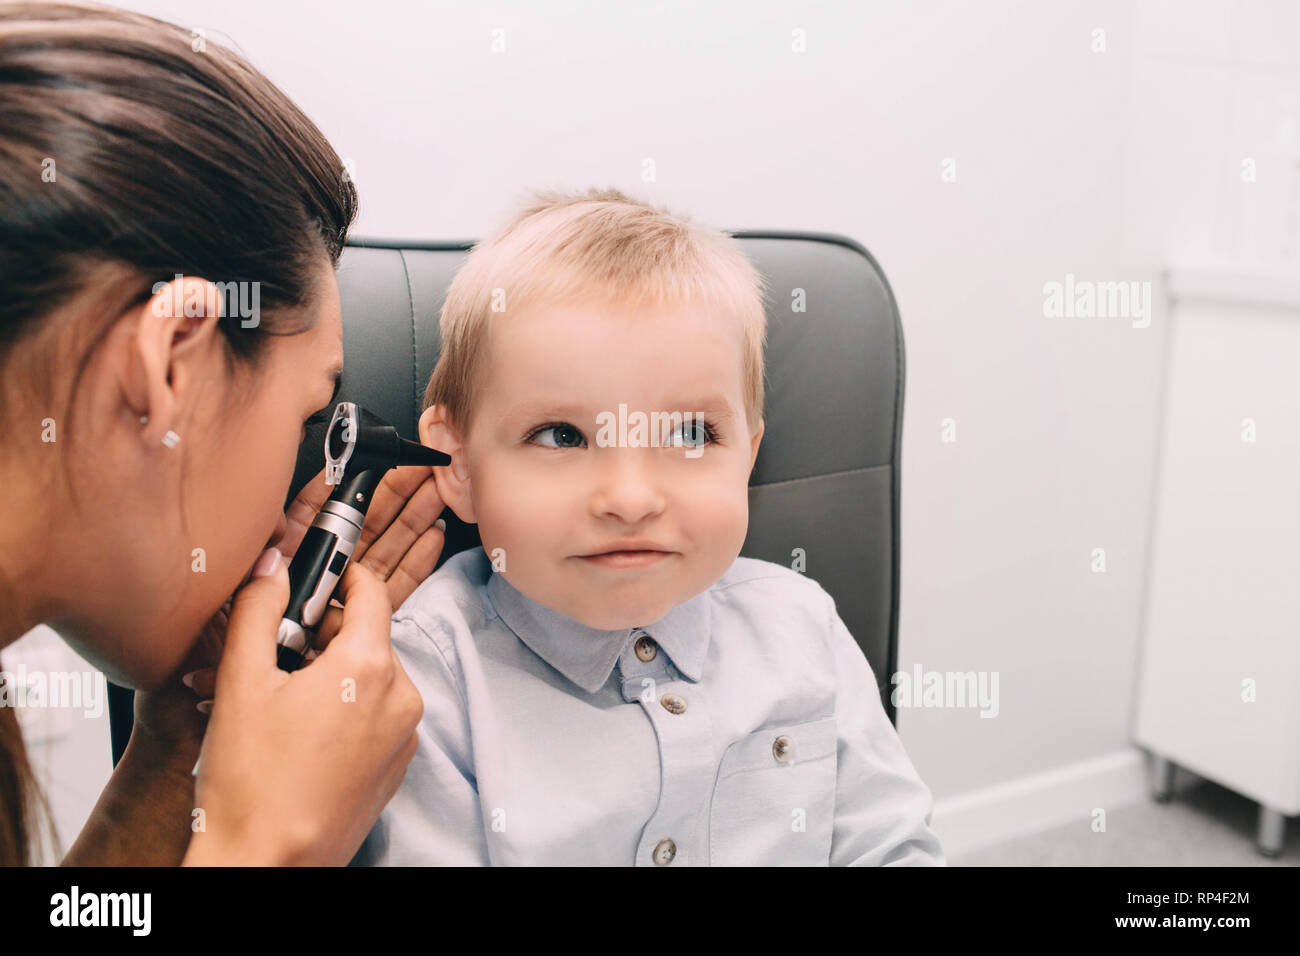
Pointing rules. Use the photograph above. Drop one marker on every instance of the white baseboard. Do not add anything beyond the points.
(1036, 802)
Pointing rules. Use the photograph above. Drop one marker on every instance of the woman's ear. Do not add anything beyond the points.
(174, 342)
(452, 480)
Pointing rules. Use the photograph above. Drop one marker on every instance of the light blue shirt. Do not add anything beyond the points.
(743, 728)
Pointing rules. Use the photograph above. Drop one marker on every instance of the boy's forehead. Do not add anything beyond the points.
(618, 335)
(580, 357)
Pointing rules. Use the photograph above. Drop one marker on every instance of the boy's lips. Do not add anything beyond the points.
(626, 559)
(636, 544)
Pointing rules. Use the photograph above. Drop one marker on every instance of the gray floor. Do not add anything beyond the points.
(1205, 826)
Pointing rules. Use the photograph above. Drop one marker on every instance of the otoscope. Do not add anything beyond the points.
(360, 448)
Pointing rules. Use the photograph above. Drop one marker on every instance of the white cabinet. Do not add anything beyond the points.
(1219, 674)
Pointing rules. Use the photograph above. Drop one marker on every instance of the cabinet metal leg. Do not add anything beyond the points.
(1272, 832)
(1162, 779)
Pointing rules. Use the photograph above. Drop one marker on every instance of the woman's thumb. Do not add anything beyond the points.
(255, 616)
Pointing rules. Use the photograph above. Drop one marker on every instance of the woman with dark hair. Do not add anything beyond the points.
(147, 177)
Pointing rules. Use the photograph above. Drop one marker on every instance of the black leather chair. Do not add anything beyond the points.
(827, 476)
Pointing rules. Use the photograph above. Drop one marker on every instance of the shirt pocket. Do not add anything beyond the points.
(774, 797)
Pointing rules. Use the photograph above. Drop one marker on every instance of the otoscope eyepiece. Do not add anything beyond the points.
(360, 448)
(360, 441)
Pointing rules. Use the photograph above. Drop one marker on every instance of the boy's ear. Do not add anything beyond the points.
(452, 480)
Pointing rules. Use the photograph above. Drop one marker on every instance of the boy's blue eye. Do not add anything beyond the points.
(694, 433)
(563, 432)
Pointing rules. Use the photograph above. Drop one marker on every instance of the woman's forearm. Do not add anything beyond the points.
(143, 816)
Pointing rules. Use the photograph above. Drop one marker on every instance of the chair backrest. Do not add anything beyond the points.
(825, 487)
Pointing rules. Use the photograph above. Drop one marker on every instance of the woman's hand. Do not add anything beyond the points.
(296, 767)
(399, 542)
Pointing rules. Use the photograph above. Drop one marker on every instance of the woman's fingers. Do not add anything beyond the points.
(273, 740)
(329, 626)
(385, 553)
(416, 565)
(394, 497)
(254, 620)
(365, 600)
(203, 682)
(300, 514)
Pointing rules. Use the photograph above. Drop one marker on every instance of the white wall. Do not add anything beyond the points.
(1106, 165)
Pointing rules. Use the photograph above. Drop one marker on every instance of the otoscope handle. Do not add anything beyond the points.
(319, 563)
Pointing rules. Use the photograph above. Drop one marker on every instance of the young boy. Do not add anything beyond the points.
(605, 681)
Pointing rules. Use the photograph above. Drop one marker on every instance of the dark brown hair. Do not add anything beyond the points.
(133, 150)
(20, 801)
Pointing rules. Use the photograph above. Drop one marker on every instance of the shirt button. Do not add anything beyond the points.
(665, 850)
(646, 649)
(673, 704)
(783, 749)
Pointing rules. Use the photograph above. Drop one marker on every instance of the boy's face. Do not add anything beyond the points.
(548, 493)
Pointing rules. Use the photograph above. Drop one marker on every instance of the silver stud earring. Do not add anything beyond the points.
(171, 439)
(144, 419)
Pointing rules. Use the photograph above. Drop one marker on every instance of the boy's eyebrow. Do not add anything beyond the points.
(715, 404)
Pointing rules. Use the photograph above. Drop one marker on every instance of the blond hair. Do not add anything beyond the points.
(600, 242)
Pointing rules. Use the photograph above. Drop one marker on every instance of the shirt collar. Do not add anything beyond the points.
(587, 655)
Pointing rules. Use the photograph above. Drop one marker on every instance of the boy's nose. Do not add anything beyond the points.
(627, 486)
